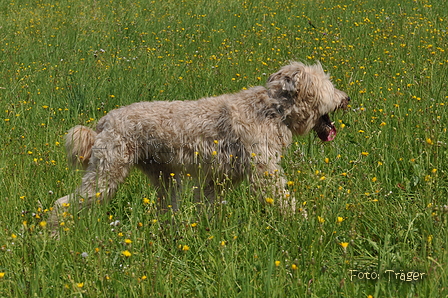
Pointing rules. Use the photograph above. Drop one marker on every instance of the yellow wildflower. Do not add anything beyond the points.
(126, 253)
(270, 201)
(344, 244)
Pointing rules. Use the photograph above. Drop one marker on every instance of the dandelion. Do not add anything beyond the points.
(270, 201)
(185, 248)
(193, 225)
(344, 246)
(290, 183)
(214, 153)
(433, 171)
(277, 263)
(382, 123)
(321, 219)
(429, 239)
(294, 267)
(365, 153)
(126, 253)
(80, 284)
(43, 224)
(429, 141)
(340, 219)
(2, 274)
(146, 201)
(374, 179)
(127, 241)
(223, 243)
(326, 160)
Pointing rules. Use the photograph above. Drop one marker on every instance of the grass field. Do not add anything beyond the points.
(372, 203)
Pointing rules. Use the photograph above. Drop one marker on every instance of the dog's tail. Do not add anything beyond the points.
(78, 144)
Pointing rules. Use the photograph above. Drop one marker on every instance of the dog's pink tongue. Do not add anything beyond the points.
(331, 134)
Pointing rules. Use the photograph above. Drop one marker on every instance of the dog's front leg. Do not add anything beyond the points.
(53, 218)
(269, 183)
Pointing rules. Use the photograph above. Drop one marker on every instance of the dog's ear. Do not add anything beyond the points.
(289, 85)
(283, 85)
(304, 83)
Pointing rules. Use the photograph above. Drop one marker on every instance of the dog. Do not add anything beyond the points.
(216, 140)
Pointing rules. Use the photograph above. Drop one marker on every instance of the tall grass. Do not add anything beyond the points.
(372, 200)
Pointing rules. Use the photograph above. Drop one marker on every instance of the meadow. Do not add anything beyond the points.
(372, 214)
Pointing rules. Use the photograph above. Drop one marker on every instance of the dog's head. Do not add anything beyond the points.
(307, 96)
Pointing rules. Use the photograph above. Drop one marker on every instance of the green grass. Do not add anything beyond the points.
(379, 188)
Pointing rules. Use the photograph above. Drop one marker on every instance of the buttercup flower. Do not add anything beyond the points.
(126, 253)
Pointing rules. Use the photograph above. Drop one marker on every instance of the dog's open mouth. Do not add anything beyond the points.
(325, 129)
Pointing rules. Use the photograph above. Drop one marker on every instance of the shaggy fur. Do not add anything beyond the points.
(218, 140)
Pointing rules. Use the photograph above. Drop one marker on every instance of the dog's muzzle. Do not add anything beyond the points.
(325, 129)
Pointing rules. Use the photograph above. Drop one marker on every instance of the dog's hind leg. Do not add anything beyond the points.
(165, 181)
(108, 168)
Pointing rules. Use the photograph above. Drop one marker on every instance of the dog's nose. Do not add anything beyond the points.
(348, 98)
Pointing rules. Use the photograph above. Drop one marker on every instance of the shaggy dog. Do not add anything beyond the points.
(217, 140)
